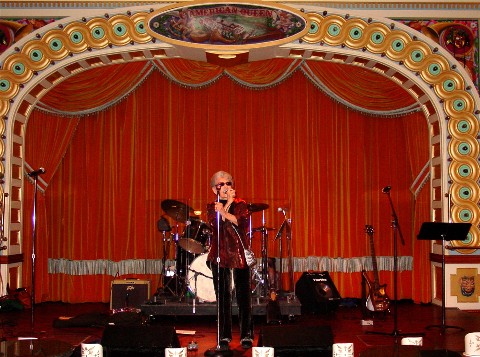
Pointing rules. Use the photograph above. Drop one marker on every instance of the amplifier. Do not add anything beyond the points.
(316, 291)
(129, 293)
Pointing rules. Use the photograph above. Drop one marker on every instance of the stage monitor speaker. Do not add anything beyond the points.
(129, 293)
(297, 341)
(145, 340)
(317, 292)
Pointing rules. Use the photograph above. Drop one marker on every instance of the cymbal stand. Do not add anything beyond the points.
(166, 248)
(179, 282)
(163, 226)
(256, 277)
(279, 238)
(264, 233)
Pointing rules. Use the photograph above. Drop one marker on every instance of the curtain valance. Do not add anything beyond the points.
(357, 88)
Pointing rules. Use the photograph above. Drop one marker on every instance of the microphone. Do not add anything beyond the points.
(40, 171)
(386, 189)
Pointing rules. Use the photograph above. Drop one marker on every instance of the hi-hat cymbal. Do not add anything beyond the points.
(177, 210)
(255, 207)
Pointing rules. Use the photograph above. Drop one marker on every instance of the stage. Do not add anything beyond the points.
(171, 306)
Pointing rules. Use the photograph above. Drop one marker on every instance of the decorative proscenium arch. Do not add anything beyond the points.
(444, 91)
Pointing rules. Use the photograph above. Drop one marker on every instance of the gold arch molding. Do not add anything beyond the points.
(443, 89)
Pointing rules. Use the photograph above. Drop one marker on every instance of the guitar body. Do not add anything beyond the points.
(377, 299)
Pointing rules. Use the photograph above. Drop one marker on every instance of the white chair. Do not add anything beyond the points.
(176, 352)
(412, 341)
(91, 350)
(342, 349)
(262, 351)
(472, 344)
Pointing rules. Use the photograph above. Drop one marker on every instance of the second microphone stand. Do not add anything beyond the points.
(396, 229)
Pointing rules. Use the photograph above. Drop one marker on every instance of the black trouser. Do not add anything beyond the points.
(241, 278)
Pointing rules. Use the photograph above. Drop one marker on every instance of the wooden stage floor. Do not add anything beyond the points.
(346, 323)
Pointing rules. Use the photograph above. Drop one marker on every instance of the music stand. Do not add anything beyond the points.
(444, 232)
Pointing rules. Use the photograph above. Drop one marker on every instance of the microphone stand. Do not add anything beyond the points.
(34, 175)
(396, 228)
(218, 350)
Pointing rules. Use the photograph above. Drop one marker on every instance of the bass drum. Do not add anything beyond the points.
(200, 280)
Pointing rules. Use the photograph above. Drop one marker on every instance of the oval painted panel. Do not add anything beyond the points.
(227, 24)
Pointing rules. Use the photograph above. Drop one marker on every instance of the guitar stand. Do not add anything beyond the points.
(443, 232)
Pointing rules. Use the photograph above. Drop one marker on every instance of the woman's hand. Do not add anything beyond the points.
(231, 194)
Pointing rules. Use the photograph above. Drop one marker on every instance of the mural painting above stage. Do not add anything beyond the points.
(232, 24)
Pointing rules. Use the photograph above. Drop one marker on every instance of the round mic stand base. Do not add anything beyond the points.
(218, 352)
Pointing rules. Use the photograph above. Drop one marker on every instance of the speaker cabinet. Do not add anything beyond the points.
(145, 340)
(297, 341)
(317, 292)
(129, 293)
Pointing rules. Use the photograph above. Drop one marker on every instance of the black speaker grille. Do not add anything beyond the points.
(317, 292)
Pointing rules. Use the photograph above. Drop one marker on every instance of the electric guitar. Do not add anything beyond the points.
(377, 299)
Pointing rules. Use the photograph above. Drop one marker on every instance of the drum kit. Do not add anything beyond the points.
(192, 238)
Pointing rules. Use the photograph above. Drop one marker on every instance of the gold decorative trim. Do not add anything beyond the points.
(346, 4)
(452, 107)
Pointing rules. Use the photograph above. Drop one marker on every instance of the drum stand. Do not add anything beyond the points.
(257, 279)
(164, 227)
(261, 279)
(180, 286)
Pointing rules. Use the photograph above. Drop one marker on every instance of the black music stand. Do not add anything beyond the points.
(444, 232)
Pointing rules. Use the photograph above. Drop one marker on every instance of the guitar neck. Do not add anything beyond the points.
(374, 257)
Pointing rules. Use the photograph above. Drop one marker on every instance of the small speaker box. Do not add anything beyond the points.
(317, 292)
(129, 293)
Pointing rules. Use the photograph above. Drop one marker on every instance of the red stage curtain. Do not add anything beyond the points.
(288, 145)
(48, 138)
(359, 87)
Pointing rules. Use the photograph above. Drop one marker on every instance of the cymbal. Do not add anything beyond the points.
(255, 207)
(177, 210)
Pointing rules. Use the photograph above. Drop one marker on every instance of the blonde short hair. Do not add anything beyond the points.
(219, 174)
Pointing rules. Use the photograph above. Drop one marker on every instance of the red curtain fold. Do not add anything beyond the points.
(189, 72)
(289, 145)
(265, 72)
(360, 87)
(96, 88)
(47, 139)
